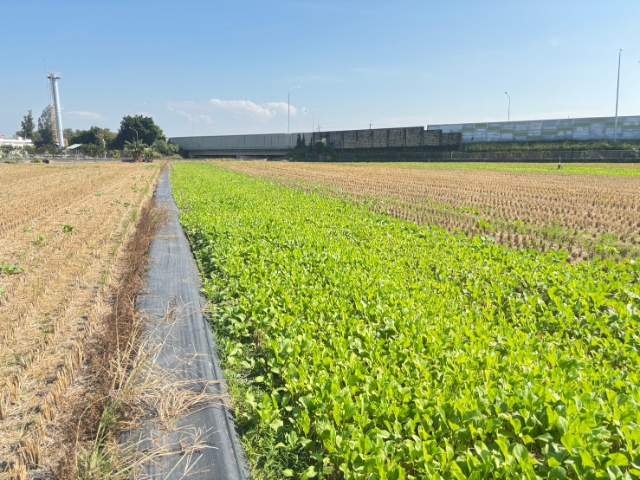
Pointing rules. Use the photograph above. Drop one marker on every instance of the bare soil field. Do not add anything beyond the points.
(63, 230)
(586, 211)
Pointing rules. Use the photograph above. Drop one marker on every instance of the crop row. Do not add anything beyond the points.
(586, 215)
(374, 348)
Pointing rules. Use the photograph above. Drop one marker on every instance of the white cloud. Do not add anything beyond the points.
(554, 42)
(242, 107)
(281, 107)
(92, 116)
(183, 108)
(201, 112)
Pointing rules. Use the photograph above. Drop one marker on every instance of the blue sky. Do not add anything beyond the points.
(212, 67)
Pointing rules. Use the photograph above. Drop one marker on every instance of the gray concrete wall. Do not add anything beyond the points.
(270, 141)
(581, 129)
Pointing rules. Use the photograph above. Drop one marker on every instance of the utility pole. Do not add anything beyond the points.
(615, 128)
(312, 123)
(370, 123)
(509, 108)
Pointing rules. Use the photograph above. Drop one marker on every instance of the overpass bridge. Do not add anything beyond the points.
(271, 145)
(417, 139)
(274, 145)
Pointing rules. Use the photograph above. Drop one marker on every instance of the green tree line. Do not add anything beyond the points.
(136, 133)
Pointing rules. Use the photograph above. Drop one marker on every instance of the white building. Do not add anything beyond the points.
(15, 142)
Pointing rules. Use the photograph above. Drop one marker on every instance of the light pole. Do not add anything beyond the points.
(288, 116)
(312, 123)
(134, 108)
(137, 139)
(509, 108)
(615, 128)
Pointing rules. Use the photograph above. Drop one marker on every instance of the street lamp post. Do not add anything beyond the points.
(288, 116)
(137, 139)
(312, 123)
(615, 128)
(509, 108)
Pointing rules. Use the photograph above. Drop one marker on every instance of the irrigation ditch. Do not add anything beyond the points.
(194, 432)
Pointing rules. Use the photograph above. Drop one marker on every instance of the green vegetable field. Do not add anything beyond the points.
(360, 346)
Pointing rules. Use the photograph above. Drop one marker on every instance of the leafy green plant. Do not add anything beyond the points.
(10, 268)
(364, 346)
(149, 154)
(164, 148)
(484, 225)
(67, 228)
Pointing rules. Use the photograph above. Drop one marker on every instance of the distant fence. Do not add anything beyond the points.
(561, 156)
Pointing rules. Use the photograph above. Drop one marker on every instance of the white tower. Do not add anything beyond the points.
(53, 78)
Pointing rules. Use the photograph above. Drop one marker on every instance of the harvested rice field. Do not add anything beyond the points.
(62, 233)
(588, 210)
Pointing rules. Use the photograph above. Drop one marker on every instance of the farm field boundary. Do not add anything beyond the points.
(559, 156)
(193, 435)
(587, 210)
(364, 346)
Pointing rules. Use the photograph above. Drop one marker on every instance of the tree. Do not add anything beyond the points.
(102, 137)
(135, 150)
(149, 154)
(68, 134)
(47, 149)
(93, 150)
(148, 131)
(28, 125)
(164, 148)
(45, 135)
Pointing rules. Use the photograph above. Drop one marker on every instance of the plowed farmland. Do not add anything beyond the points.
(588, 211)
(62, 230)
